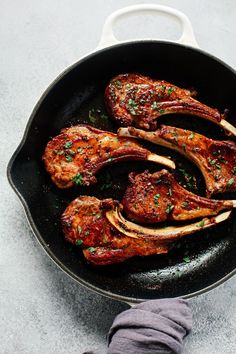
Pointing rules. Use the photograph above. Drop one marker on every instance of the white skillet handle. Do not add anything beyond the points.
(108, 37)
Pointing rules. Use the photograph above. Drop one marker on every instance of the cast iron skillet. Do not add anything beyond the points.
(198, 262)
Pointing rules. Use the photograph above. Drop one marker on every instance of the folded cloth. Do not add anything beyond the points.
(151, 327)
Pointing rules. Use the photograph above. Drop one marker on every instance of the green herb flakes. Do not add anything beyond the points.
(191, 136)
(156, 198)
(78, 179)
(104, 116)
(230, 181)
(184, 147)
(175, 135)
(201, 223)
(169, 208)
(132, 106)
(60, 152)
(211, 162)
(106, 186)
(80, 151)
(170, 90)
(161, 111)
(79, 228)
(92, 249)
(118, 84)
(170, 192)
(155, 106)
(79, 242)
(234, 170)
(68, 144)
(185, 204)
(186, 259)
(110, 159)
(68, 158)
(92, 117)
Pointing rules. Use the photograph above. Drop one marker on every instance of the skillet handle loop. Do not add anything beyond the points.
(108, 37)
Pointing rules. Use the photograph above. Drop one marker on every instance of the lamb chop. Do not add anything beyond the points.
(75, 155)
(215, 159)
(137, 100)
(157, 197)
(106, 237)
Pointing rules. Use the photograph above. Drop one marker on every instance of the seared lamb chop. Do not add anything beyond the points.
(215, 159)
(152, 198)
(138, 100)
(106, 237)
(74, 156)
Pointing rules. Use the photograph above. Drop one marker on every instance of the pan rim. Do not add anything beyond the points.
(129, 300)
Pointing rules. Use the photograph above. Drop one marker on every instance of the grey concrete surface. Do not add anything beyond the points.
(41, 309)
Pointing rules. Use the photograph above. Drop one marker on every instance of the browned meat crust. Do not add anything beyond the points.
(77, 153)
(85, 224)
(98, 228)
(134, 99)
(215, 159)
(152, 198)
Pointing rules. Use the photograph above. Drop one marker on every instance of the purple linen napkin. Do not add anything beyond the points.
(152, 327)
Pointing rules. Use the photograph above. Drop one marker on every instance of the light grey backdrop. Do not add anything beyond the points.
(41, 309)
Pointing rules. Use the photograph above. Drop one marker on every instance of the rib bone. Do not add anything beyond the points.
(216, 159)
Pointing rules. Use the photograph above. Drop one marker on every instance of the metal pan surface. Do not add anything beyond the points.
(196, 263)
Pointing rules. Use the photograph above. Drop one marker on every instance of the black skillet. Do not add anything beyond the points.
(198, 262)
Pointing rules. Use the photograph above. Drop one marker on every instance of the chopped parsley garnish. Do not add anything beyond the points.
(68, 144)
(98, 216)
(175, 135)
(118, 84)
(92, 249)
(190, 180)
(191, 136)
(185, 204)
(211, 162)
(201, 223)
(60, 152)
(156, 198)
(222, 160)
(110, 159)
(79, 229)
(92, 117)
(163, 88)
(170, 191)
(105, 186)
(71, 152)
(79, 242)
(78, 179)
(218, 166)
(132, 106)
(87, 233)
(234, 170)
(230, 181)
(80, 151)
(161, 111)
(104, 116)
(155, 106)
(68, 158)
(170, 90)
(169, 208)
(186, 259)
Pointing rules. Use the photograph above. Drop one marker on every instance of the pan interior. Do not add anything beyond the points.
(196, 261)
